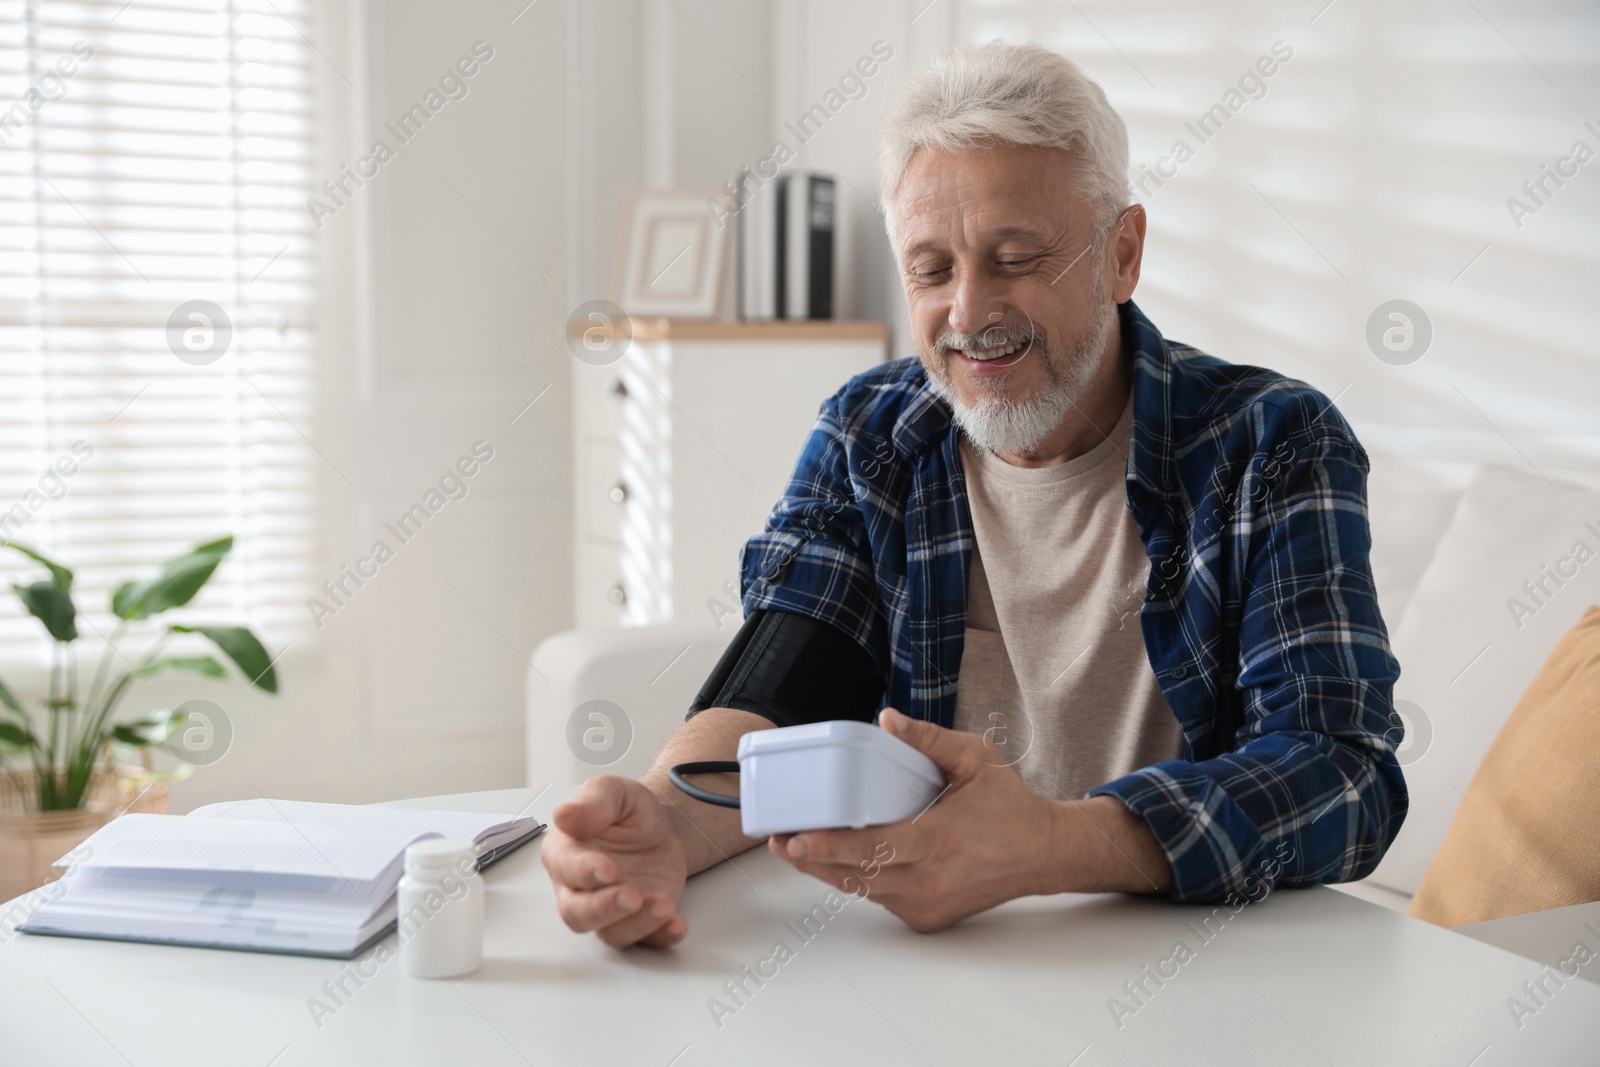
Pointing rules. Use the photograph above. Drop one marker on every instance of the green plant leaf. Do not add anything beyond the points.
(17, 737)
(9, 699)
(152, 729)
(52, 607)
(129, 736)
(241, 646)
(49, 602)
(174, 584)
(205, 665)
(60, 576)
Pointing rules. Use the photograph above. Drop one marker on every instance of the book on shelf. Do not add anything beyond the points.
(787, 231)
(757, 217)
(262, 875)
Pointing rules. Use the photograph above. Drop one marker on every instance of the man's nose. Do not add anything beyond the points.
(977, 304)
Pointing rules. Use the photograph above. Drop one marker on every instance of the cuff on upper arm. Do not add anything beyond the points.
(793, 669)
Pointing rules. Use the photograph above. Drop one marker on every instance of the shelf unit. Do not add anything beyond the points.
(683, 445)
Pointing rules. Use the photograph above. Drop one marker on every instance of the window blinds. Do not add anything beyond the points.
(1303, 164)
(155, 299)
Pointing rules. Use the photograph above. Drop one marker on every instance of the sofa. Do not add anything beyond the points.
(1480, 569)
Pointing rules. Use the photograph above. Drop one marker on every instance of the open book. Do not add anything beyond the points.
(266, 875)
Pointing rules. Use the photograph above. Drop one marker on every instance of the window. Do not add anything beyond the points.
(155, 298)
(1307, 165)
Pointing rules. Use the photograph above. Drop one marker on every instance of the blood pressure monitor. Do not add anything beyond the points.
(820, 776)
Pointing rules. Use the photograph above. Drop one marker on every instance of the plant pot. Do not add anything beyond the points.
(30, 841)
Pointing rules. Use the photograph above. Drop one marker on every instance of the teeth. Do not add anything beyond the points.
(986, 356)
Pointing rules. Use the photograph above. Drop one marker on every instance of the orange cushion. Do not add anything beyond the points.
(1526, 836)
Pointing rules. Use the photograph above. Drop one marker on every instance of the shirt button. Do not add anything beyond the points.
(1180, 671)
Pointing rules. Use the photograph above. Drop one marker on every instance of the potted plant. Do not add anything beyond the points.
(61, 779)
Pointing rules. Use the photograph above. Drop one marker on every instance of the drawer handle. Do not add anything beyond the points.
(618, 493)
(617, 595)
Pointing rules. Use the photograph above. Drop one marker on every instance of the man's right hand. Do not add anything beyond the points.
(616, 864)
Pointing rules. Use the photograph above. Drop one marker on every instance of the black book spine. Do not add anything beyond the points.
(819, 287)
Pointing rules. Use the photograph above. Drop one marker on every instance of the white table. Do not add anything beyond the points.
(1305, 977)
(1547, 937)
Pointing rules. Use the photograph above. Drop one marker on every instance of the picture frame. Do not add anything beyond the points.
(672, 258)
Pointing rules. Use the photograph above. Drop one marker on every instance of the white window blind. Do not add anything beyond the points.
(152, 155)
(1380, 161)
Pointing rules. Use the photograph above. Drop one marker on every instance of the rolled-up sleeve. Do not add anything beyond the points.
(813, 557)
(1310, 790)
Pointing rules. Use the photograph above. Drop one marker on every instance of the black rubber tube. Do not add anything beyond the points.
(722, 800)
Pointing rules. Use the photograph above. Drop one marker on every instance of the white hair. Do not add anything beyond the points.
(995, 94)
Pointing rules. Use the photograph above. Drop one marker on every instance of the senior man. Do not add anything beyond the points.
(1119, 588)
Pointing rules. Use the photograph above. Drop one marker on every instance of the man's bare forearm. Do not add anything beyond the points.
(710, 834)
(1099, 846)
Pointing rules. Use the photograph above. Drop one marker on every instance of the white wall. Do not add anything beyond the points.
(814, 44)
(446, 287)
(1381, 159)
(440, 319)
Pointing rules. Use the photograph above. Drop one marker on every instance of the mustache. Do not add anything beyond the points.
(996, 336)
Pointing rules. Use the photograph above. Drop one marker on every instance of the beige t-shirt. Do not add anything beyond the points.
(1054, 664)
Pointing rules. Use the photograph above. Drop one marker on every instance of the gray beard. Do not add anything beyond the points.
(999, 424)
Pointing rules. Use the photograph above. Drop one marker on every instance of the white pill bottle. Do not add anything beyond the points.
(441, 909)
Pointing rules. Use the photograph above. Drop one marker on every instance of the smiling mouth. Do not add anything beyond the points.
(996, 358)
(989, 355)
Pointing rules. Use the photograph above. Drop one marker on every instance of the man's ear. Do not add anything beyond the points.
(1125, 253)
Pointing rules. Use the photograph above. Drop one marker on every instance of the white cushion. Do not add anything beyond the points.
(604, 700)
(1409, 505)
(1467, 649)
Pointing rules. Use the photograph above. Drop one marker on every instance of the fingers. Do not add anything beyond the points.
(591, 893)
(843, 877)
(950, 749)
(854, 847)
(586, 910)
(654, 924)
(789, 849)
(574, 866)
(621, 915)
(670, 933)
(601, 803)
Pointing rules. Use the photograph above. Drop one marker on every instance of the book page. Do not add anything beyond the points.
(306, 856)
(473, 826)
(151, 896)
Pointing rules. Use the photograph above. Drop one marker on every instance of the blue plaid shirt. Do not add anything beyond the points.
(1260, 619)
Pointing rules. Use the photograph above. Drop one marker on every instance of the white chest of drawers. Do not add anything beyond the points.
(682, 447)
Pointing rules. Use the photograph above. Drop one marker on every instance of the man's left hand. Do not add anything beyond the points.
(987, 839)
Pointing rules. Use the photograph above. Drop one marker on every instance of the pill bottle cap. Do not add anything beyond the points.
(440, 855)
